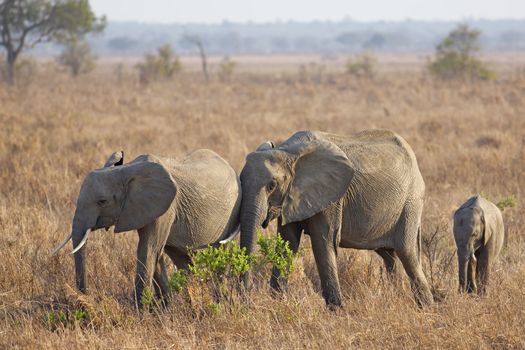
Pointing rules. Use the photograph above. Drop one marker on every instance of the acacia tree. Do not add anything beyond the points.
(26, 23)
(456, 56)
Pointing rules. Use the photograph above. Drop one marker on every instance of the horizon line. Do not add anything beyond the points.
(293, 21)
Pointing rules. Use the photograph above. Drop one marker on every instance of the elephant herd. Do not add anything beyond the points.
(363, 191)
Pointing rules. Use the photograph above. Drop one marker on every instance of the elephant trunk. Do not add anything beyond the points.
(463, 260)
(78, 234)
(252, 213)
(467, 273)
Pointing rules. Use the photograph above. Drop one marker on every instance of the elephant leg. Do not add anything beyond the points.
(413, 268)
(324, 230)
(409, 253)
(389, 258)
(483, 271)
(148, 252)
(472, 286)
(160, 281)
(180, 259)
(291, 233)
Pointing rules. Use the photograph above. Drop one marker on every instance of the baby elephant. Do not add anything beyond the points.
(479, 234)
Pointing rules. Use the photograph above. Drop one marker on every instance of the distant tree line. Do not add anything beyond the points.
(316, 37)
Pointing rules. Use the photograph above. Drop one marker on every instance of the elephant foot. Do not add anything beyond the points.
(472, 289)
(163, 301)
(424, 298)
(333, 301)
(334, 307)
(278, 285)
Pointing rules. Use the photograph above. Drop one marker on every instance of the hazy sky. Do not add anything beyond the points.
(304, 10)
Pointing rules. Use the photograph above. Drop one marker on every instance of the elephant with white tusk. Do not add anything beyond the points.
(363, 191)
(479, 236)
(176, 206)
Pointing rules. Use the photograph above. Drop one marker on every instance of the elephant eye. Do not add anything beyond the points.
(272, 185)
(101, 202)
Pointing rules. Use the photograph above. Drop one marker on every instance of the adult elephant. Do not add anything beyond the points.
(176, 206)
(363, 191)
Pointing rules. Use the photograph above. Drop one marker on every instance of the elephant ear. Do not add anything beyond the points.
(116, 159)
(149, 192)
(322, 175)
(488, 220)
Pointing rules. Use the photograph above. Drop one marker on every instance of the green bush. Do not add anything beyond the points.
(221, 268)
(178, 280)
(456, 56)
(362, 66)
(162, 65)
(57, 319)
(276, 252)
(503, 202)
(146, 299)
(77, 57)
(67, 318)
(80, 315)
(507, 202)
(215, 268)
(226, 69)
(215, 264)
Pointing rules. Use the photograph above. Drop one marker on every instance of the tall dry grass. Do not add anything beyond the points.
(468, 138)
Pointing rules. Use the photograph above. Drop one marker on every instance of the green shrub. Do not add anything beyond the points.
(146, 299)
(215, 308)
(217, 269)
(362, 66)
(503, 202)
(56, 319)
(276, 251)
(162, 65)
(215, 264)
(226, 69)
(77, 57)
(178, 280)
(67, 318)
(456, 56)
(221, 268)
(80, 315)
(507, 202)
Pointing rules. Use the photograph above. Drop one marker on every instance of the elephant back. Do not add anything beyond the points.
(208, 200)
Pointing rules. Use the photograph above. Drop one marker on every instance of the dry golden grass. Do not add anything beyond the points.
(468, 138)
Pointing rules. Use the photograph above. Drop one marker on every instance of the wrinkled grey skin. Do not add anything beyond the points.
(175, 205)
(363, 191)
(479, 236)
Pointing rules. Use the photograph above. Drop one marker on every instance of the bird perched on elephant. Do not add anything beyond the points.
(175, 205)
(363, 191)
(479, 235)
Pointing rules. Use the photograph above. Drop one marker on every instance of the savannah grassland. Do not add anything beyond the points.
(468, 137)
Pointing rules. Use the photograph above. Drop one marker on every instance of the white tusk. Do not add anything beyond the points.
(230, 237)
(61, 245)
(473, 257)
(81, 244)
